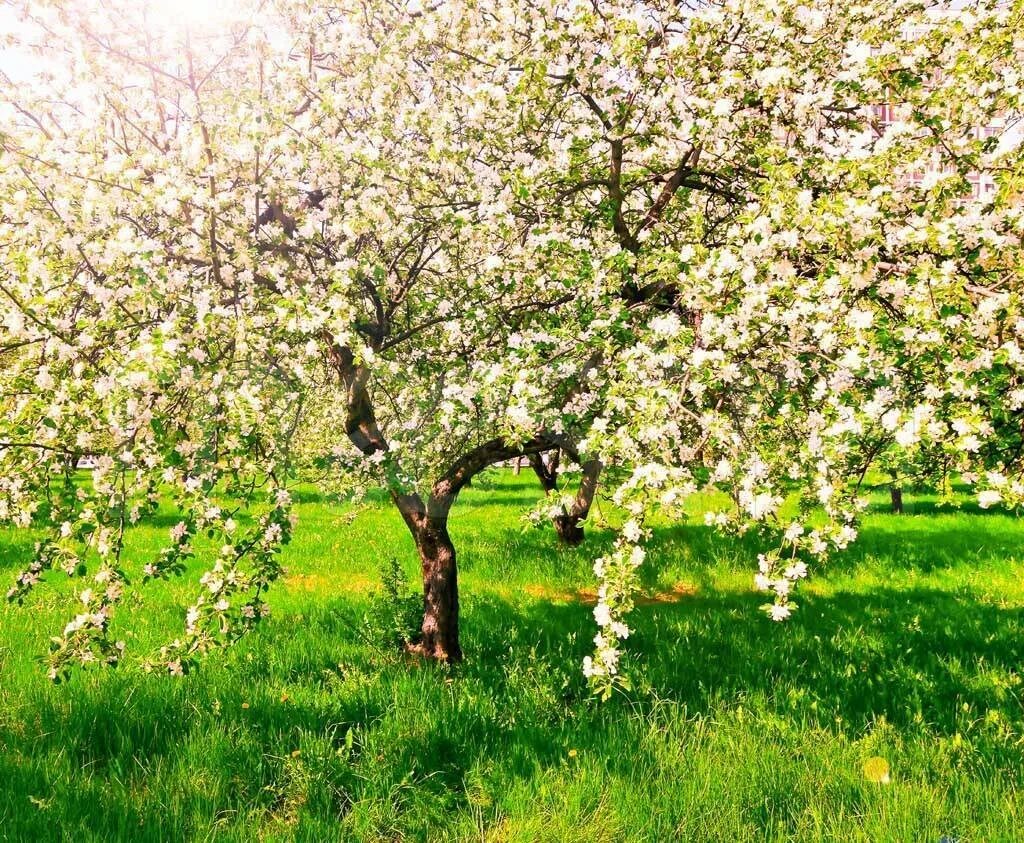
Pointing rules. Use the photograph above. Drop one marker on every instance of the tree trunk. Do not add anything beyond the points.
(896, 496)
(546, 470)
(568, 525)
(428, 523)
(427, 520)
(568, 529)
(439, 637)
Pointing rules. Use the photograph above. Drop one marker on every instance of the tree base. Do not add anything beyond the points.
(569, 531)
(434, 652)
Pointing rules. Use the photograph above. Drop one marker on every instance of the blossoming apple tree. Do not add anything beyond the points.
(399, 244)
(292, 238)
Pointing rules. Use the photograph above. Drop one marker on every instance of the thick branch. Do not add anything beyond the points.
(618, 197)
(546, 470)
(471, 463)
(673, 184)
(362, 429)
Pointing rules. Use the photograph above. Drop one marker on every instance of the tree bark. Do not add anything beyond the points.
(428, 523)
(439, 634)
(546, 469)
(568, 525)
(896, 497)
(568, 529)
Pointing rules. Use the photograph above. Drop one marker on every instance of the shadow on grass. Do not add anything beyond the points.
(902, 543)
(519, 498)
(225, 735)
(16, 549)
(857, 656)
(931, 506)
(895, 653)
(908, 656)
(693, 551)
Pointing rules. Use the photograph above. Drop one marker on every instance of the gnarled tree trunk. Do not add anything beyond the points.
(427, 522)
(439, 634)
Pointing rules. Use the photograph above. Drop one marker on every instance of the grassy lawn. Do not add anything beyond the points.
(907, 647)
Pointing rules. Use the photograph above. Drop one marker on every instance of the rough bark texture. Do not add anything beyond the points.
(439, 635)
(896, 496)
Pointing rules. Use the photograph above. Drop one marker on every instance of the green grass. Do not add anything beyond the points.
(908, 647)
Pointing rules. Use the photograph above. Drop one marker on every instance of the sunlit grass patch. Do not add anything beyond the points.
(907, 648)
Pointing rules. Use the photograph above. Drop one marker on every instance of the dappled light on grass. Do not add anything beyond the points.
(876, 769)
(906, 649)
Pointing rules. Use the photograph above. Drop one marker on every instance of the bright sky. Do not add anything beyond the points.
(15, 64)
(169, 16)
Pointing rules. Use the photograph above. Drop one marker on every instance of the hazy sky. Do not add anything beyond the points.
(14, 63)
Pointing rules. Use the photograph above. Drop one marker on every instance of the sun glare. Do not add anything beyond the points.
(190, 16)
